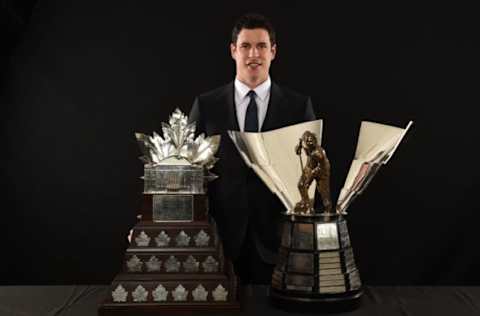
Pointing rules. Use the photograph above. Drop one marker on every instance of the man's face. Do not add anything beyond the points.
(253, 54)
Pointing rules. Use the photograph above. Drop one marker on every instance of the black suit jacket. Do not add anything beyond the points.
(238, 198)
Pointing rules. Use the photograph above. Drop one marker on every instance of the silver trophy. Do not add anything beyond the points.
(175, 260)
(316, 266)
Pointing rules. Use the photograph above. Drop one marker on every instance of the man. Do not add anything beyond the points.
(246, 212)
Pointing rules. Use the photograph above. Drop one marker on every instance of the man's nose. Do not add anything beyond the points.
(253, 52)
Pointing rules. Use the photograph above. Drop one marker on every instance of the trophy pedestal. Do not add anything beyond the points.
(316, 268)
(173, 267)
(333, 303)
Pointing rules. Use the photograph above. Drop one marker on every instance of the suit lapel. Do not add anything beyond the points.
(232, 121)
(273, 119)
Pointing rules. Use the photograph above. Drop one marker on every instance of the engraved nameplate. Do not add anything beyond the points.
(323, 278)
(327, 236)
(303, 236)
(343, 230)
(329, 254)
(169, 207)
(329, 272)
(329, 260)
(286, 234)
(299, 282)
(173, 178)
(300, 262)
(329, 266)
(282, 259)
(340, 282)
(349, 261)
(332, 289)
(355, 282)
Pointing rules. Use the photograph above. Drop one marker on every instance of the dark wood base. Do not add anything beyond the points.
(332, 303)
(144, 281)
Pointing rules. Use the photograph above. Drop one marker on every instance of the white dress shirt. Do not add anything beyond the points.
(262, 96)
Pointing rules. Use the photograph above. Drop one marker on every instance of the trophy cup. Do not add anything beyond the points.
(316, 266)
(175, 259)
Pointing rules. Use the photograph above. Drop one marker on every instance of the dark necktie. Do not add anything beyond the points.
(251, 117)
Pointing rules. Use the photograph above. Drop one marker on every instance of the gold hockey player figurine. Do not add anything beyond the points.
(317, 168)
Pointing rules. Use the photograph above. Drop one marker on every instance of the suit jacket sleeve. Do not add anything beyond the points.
(195, 116)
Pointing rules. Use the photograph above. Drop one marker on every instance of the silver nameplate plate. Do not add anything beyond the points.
(336, 277)
(299, 282)
(329, 260)
(340, 282)
(332, 289)
(303, 236)
(173, 179)
(286, 234)
(172, 208)
(344, 237)
(355, 282)
(329, 266)
(329, 254)
(300, 262)
(329, 272)
(327, 236)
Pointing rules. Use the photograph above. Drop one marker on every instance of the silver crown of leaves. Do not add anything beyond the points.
(178, 141)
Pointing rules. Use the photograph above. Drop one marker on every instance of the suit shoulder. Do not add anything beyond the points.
(293, 95)
(215, 94)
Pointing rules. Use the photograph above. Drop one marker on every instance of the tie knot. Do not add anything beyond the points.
(251, 93)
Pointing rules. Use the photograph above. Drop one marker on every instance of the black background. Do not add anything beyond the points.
(79, 77)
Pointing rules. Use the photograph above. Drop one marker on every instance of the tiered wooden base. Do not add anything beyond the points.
(173, 266)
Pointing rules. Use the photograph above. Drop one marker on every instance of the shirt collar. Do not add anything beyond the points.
(261, 90)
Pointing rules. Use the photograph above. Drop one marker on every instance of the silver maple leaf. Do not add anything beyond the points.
(178, 141)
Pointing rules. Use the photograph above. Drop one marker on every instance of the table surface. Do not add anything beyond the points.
(84, 300)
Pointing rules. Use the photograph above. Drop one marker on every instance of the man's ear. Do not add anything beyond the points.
(233, 49)
(274, 51)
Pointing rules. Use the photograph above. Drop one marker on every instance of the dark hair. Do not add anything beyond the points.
(253, 21)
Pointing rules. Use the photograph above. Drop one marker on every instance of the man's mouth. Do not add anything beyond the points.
(253, 64)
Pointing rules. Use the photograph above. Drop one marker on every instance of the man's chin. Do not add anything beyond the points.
(258, 71)
(254, 77)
